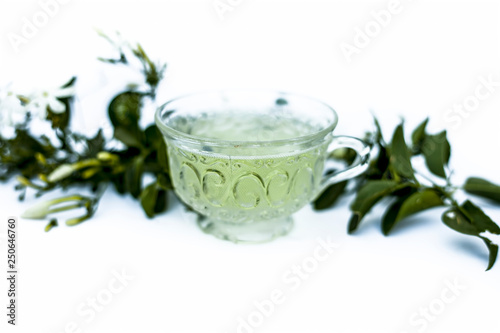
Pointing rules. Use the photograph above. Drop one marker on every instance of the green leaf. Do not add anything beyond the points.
(419, 202)
(329, 197)
(368, 196)
(479, 218)
(153, 136)
(131, 139)
(124, 112)
(400, 155)
(164, 181)
(378, 134)
(419, 134)
(153, 199)
(70, 83)
(95, 144)
(456, 220)
(379, 166)
(493, 249)
(133, 176)
(391, 214)
(413, 204)
(161, 201)
(148, 199)
(60, 120)
(156, 160)
(119, 182)
(125, 109)
(483, 188)
(436, 150)
(470, 220)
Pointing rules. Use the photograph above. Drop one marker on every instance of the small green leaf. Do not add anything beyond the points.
(454, 219)
(95, 144)
(131, 139)
(133, 176)
(419, 202)
(368, 196)
(382, 162)
(354, 222)
(119, 182)
(153, 199)
(418, 136)
(400, 155)
(124, 111)
(148, 199)
(378, 134)
(493, 249)
(379, 166)
(479, 218)
(164, 181)
(153, 137)
(329, 197)
(436, 150)
(483, 188)
(409, 205)
(391, 214)
(470, 220)
(60, 120)
(70, 83)
(161, 201)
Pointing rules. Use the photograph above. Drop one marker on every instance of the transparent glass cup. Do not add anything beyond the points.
(247, 160)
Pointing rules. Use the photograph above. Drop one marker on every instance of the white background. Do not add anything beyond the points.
(429, 57)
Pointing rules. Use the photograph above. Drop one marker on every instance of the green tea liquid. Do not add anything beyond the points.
(245, 185)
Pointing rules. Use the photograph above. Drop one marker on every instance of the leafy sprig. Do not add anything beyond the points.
(392, 177)
(77, 160)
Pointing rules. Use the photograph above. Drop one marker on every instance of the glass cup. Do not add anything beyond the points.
(247, 160)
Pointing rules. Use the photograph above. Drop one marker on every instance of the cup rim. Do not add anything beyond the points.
(179, 135)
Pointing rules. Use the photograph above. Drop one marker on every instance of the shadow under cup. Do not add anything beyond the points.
(247, 160)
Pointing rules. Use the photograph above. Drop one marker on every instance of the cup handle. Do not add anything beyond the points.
(359, 165)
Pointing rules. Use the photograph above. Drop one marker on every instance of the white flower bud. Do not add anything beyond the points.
(61, 172)
(38, 211)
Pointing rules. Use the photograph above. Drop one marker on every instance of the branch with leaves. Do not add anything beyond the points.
(75, 160)
(391, 177)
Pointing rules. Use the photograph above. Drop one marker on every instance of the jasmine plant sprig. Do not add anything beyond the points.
(393, 178)
(74, 160)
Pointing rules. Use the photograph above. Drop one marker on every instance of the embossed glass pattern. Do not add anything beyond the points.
(248, 160)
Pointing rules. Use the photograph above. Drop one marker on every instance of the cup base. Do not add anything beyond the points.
(248, 233)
